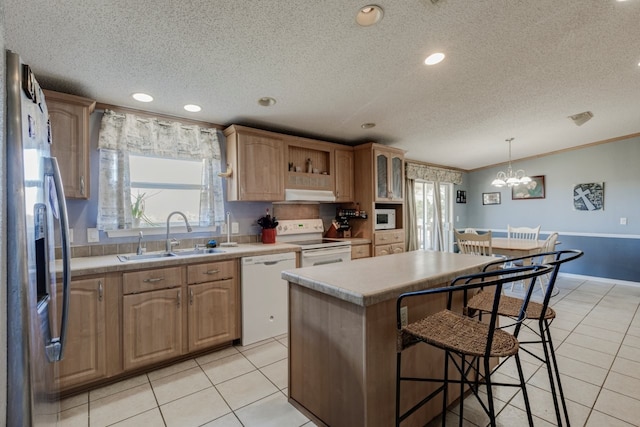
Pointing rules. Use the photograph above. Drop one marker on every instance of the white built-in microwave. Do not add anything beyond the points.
(385, 219)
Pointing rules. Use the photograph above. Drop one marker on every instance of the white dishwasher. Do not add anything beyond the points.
(265, 297)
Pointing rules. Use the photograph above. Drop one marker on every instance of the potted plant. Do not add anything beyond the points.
(137, 209)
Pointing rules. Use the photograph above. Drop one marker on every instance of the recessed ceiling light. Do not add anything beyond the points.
(434, 58)
(266, 101)
(369, 15)
(367, 125)
(192, 108)
(142, 97)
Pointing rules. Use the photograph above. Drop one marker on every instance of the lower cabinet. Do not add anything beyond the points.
(213, 311)
(92, 347)
(212, 314)
(388, 242)
(151, 327)
(119, 322)
(360, 251)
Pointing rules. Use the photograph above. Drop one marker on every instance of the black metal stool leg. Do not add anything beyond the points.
(398, 359)
(524, 390)
(555, 368)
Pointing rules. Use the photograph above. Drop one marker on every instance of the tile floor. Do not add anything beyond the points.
(596, 334)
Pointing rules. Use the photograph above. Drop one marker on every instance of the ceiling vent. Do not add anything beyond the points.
(581, 118)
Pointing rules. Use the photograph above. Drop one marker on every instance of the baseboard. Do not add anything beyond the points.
(600, 279)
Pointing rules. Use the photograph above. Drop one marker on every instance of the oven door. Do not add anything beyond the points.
(322, 256)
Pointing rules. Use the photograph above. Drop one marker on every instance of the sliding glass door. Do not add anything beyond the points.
(426, 215)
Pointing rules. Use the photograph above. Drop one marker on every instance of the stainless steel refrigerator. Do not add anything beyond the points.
(37, 301)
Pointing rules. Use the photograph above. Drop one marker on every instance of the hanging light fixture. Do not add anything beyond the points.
(510, 178)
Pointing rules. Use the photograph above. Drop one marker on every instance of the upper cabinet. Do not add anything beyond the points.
(389, 175)
(265, 163)
(257, 160)
(69, 116)
(310, 164)
(344, 175)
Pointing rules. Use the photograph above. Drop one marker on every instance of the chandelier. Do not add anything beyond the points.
(510, 178)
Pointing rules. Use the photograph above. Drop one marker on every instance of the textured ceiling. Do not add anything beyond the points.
(513, 68)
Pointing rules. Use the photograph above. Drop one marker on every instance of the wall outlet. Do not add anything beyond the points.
(235, 228)
(404, 315)
(623, 221)
(92, 235)
(71, 235)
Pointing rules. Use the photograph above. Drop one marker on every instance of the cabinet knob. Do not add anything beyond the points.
(100, 290)
(179, 298)
(190, 296)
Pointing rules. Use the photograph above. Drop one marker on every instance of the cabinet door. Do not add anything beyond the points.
(382, 250)
(212, 314)
(396, 177)
(382, 176)
(260, 167)
(151, 327)
(85, 349)
(360, 251)
(344, 176)
(69, 117)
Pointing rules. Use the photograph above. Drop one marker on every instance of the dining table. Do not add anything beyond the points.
(515, 247)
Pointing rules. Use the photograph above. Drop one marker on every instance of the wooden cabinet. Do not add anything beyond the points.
(69, 116)
(360, 251)
(379, 184)
(388, 242)
(92, 348)
(151, 320)
(85, 349)
(344, 175)
(257, 160)
(315, 162)
(213, 310)
(389, 175)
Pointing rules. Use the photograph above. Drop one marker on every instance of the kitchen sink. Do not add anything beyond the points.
(197, 251)
(155, 255)
(177, 253)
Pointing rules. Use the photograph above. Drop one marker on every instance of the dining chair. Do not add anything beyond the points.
(467, 342)
(549, 246)
(474, 244)
(527, 233)
(536, 313)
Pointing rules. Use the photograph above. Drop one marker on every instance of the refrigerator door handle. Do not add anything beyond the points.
(55, 349)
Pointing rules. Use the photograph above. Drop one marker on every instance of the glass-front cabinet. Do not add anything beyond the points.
(389, 176)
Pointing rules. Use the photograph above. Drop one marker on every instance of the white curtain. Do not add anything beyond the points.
(411, 218)
(438, 235)
(436, 175)
(124, 134)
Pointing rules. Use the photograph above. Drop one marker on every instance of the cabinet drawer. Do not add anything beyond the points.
(388, 237)
(151, 280)
(360, 251)
(211, 271)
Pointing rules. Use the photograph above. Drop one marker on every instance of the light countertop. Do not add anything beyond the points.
(110, 263)
(368, 281)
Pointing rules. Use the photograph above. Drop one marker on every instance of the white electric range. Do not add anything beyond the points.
(315, 250)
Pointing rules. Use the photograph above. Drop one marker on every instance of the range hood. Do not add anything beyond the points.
(294, 195)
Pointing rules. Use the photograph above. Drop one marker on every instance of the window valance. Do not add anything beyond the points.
(432, 173)
(156, 137)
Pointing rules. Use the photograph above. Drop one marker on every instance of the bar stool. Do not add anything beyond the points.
(539, 312)
(465, 340)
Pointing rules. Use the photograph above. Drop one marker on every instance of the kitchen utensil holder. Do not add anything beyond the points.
(268, 235)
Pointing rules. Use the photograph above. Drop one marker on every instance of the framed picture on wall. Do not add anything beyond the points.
(533, 190)
(491, 198)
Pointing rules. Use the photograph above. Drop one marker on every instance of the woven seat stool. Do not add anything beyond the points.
(466, 341)
(538, 312)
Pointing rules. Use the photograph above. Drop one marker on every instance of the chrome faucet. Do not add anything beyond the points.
(140, 250)
(171, 242)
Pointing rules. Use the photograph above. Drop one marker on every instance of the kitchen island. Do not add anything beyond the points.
(342, 335)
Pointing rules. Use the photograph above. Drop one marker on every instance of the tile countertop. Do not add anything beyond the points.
(368, 281)
(110, 263)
